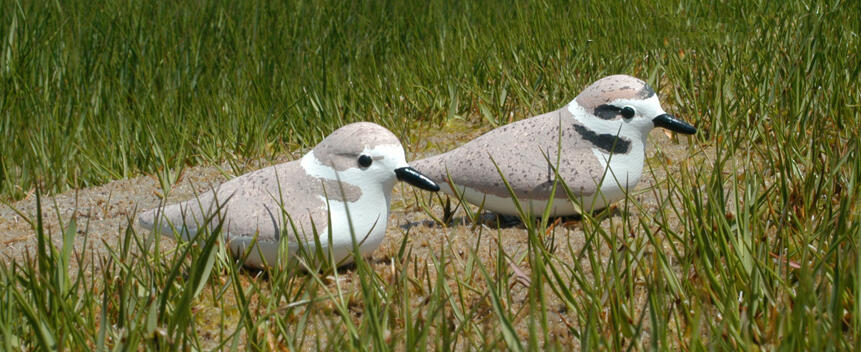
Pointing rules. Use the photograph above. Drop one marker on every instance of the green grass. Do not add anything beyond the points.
(754, 246)
(92, 93)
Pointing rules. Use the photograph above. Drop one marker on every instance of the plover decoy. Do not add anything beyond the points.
(599, 149)
(304, 194)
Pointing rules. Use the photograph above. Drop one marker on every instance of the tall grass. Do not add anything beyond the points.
(95, 92)
(751, 243)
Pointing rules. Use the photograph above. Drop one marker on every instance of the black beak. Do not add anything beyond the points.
(415, 178)
(671, 123)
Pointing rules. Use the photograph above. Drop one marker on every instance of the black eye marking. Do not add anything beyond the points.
(606, 112)
(365, 160)
(609, 112)
(628, 112)
(608, 142)
(646, 92)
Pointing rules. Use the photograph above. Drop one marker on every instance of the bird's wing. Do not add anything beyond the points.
(269, 203)
(280, 200)
(185, 217)
(521, 150)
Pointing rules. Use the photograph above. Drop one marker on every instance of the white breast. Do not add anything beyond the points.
(624, 170)
(366, 223)
(367, 218)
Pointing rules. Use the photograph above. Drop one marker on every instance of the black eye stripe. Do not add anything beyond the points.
(365, 160)
(607, 111)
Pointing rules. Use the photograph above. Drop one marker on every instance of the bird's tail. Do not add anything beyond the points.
(182, 218)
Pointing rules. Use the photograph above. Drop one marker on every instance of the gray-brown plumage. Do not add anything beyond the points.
(352, 170)
(596, 144)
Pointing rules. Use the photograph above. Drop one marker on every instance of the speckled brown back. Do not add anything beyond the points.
(251, 203)
(521, 146)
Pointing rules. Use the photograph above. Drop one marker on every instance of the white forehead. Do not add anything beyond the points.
(649, 107)
(390, 155)
(646, 109)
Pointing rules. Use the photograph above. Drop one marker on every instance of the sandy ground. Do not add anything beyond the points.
(104, 212)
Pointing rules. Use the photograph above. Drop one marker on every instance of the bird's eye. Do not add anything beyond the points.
(628, 112)
(365, 160)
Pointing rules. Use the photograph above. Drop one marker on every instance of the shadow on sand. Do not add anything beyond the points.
(501, 221)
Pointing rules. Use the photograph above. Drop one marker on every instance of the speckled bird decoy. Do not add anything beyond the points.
(365, 157)
(602, 139)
